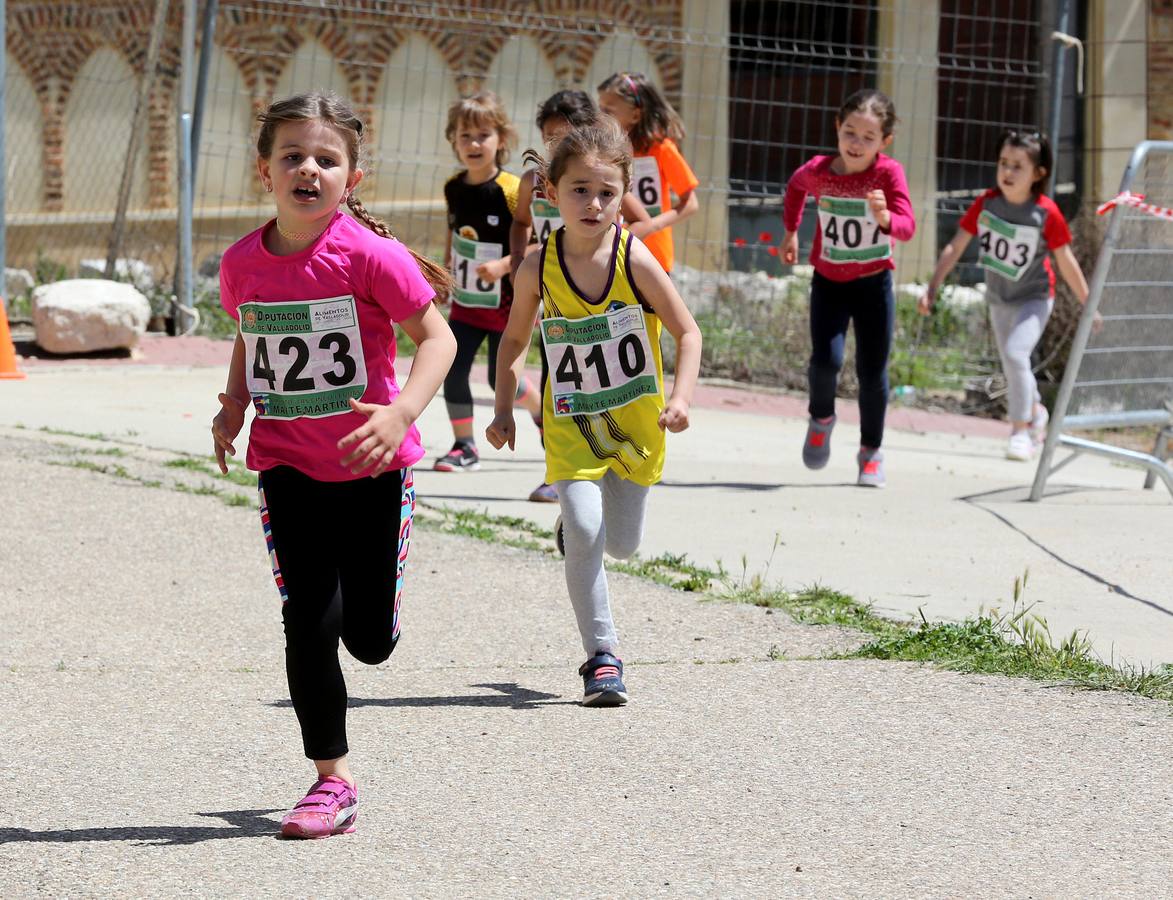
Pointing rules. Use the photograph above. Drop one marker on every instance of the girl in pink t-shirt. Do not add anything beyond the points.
(863, 207)
(332, 436)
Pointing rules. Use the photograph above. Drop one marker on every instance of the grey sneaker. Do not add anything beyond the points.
(871, 468)
(816, 449)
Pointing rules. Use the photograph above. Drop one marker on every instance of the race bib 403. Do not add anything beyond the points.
(599, 362)
(303, 358)
(470, 290)
(850, 232)
(1006, 248)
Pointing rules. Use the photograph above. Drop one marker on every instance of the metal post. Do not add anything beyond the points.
(136, 134)
(183, 279)
(207, 37)
(1059, 57)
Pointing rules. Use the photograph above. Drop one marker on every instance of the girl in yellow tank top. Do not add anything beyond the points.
(603, 299)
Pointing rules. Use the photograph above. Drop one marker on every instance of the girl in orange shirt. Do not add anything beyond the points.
(659, 169)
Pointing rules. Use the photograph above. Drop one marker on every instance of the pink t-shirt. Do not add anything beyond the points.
(318, 328)
(816, 178)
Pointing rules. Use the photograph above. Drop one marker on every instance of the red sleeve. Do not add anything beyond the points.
(969, 222)
(799, 185)
(1055, 229)
(902, 225)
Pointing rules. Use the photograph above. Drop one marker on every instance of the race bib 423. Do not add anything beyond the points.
(303, 358)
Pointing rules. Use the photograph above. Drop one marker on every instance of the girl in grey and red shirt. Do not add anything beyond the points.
(1016, 225)
(863, 207)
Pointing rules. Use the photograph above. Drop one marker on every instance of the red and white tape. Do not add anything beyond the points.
(1135, 200)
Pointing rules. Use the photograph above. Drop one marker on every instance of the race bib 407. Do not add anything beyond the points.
(850, 232)
(303, 358)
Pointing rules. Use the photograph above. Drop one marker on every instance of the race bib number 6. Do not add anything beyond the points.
(303, 358)
(646, 183)
(599, 362)
(1006, 248)
(850, 232)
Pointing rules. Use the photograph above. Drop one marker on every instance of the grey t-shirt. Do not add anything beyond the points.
(1014, 242)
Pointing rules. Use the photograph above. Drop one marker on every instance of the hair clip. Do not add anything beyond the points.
(635, 98)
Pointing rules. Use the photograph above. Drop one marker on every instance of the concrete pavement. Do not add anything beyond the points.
(152, 749)
(949, 535)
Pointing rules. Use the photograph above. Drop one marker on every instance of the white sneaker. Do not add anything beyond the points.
(1021, 446)
(1038, 425)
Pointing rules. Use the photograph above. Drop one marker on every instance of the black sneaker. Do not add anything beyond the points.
(602, 681)
(559, 537)
(462, 457)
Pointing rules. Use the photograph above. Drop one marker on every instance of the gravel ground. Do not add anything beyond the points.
(142, 676)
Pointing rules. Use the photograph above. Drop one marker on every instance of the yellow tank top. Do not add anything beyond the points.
(605, 390)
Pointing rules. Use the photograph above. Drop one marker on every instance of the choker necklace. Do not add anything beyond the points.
(296, 235)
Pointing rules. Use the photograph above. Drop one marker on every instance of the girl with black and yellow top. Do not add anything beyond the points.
(603, 299)
(481, 201)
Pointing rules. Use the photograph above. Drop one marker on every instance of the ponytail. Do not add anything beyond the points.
(437, 276)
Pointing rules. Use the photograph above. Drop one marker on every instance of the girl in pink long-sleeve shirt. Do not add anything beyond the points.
(863, 206)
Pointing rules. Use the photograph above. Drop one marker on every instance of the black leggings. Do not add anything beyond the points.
(338, 551)
(871, 304)
(457, 393)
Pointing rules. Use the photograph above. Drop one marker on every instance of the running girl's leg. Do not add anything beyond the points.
(625, 506)
(874, 313)
(296, 515)
(1017, 329)
(376, 518)
(830, 314)
(527, 396)
(457, 393)
(585, 540)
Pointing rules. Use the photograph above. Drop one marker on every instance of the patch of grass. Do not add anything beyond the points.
(671, 569)
(237, 474)
(88, 435)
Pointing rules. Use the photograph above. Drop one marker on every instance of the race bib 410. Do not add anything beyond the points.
(1006, 248)
(599, 362)
(850, 232)
(303, 358)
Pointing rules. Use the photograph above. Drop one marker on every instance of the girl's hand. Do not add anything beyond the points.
(924, 305)
(790, 248)
(674, 416)
(374, 442)
(493, 270)
(1097, 323)
(879, 204)
(225, 427)
(502, 430)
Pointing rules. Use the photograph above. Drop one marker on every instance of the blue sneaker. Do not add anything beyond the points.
(602, 681)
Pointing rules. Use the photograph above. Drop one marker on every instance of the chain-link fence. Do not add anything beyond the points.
(757, 84)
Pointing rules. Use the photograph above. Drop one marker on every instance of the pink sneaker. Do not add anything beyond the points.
(330, 807)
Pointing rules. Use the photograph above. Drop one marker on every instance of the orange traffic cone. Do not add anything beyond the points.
(7, 350)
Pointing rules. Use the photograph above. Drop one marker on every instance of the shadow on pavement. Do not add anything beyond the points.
(242, 823)
(509, 695)
(753, 485)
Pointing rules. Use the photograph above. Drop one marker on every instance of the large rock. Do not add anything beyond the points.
(86, 314)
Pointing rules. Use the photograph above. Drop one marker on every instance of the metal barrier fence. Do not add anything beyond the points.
(757, 85)
(1122, 377)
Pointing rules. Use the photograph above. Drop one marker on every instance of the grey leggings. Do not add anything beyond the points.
(607, 514)
(1017, 328)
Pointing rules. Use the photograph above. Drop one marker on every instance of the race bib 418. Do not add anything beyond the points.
(303, 358)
